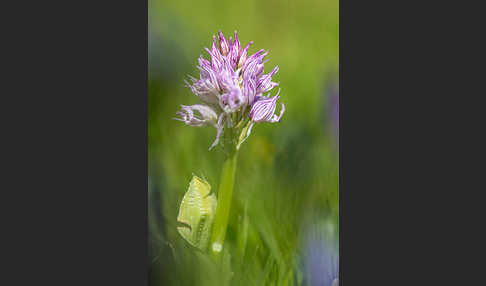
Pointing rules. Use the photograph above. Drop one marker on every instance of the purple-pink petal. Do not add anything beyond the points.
(243, 53)
(236, 44)
(197, 115)
(264, 82)
(232, 100)
(263, 109)
(219, 127)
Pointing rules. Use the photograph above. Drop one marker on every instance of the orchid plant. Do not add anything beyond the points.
(231, 87)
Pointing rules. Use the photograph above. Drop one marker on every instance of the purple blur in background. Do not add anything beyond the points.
(321, 258)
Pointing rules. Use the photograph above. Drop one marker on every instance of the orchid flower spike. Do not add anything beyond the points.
(230, 86)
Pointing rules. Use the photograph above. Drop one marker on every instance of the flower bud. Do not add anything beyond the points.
(223, 44)
(243, 55)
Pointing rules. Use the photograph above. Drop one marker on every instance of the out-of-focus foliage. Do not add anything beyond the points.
(286, 186)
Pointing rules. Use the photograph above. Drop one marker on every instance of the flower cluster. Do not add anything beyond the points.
(231, 86)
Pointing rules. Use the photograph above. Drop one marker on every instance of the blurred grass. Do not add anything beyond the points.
(287, 176)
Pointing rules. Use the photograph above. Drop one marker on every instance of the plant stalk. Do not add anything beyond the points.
(224, 204)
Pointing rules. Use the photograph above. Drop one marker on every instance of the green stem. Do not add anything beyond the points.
(224, 204)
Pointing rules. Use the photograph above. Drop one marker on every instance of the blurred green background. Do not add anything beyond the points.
(286, 190)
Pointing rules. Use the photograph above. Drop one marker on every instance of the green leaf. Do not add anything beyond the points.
(196, 213)
(245, 132)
